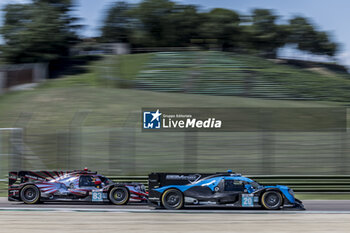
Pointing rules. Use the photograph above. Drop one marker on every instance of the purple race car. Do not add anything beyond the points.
(33, 187)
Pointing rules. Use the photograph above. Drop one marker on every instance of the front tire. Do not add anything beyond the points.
(272, 200)
(119, 195)
(173, 199)
(30, 194)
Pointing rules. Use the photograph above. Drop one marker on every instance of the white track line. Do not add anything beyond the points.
(170, 211)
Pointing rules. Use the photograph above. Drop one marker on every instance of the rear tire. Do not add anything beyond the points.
(272, 200)
(119, 195)
(173, 199)
(30, 194)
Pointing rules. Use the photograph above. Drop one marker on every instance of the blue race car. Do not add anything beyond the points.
(176, 190)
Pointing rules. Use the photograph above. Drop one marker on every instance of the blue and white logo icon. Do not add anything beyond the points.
(151, 120)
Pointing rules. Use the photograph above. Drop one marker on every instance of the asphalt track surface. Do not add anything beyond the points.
(106, 222)
(311, 206)
(320, 217)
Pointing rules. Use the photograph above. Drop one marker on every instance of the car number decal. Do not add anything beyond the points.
(97, 195)
(247, 200)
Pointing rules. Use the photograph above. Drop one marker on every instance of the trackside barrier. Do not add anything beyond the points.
(302, 183)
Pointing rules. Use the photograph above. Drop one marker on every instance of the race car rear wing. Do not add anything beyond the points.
(35, 176)
(25, 176)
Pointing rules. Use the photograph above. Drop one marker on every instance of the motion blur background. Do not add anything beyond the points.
(71, 94)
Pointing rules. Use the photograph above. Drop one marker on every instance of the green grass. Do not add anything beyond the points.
(169, 72)
(334, 87)
(53, 110)
(55, 103)
(123, 70)
(131, 64)
(92, 77)
(109, 71)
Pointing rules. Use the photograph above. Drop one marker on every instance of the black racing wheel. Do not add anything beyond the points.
(119, 195)
(173, 199)
(272, 200)
(30, 194)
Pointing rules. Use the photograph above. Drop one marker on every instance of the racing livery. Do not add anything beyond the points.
(176, 190)
(81, 185)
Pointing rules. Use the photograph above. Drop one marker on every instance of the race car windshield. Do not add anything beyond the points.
(105, 180)
(255, 184)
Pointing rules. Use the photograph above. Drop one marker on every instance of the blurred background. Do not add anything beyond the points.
(74, 76)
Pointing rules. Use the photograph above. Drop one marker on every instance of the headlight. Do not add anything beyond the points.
(291, 192)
